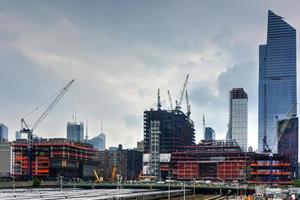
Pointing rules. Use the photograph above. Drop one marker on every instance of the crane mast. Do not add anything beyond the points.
(29, 131)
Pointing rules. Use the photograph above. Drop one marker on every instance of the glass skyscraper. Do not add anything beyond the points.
(3, 133)
(238, 117)
(277, 79)
(75, 131)
(209, 134)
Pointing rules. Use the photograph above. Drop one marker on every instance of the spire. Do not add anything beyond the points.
(101, 126)
(86, 131)
(203, 125)
(158, 100)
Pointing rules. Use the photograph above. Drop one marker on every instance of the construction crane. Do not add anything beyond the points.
(170, 100)
(188, 106)
(277, 138)
(178, 103)
(29, 131)
(158, 100)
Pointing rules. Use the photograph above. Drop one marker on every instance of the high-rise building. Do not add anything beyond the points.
(75, 131)
(209, 134)
(175, 130)
(288, 142)
(18, 135)
(238, 117)
(140, 146)
(5, 161)
(277, 79)
(3, 133)
(98, 142)
(164, 132)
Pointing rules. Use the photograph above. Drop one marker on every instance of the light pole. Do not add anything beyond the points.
(60, 181)
(169, 195)
(74, 183)
(194, 187)
(184, 181)
(13, 183)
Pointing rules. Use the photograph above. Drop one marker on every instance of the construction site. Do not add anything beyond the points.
(54, 157)
(170, 151)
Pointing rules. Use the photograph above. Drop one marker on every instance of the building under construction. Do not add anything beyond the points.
(224, 160)
(53, 157)
(125, 162)
(165, 131)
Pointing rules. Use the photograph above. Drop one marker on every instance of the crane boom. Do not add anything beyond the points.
(29, 131)
(188, 106)
(170, 99)
(289, 116)
(178, 106)
(51, 106)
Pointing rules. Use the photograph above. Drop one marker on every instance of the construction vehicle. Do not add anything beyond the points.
(98, 179)
(29, 131)
(143, 177)
(113, 173)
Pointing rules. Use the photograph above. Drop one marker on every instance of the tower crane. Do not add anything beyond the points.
(178, 103)
(170, 100)
(29, 131)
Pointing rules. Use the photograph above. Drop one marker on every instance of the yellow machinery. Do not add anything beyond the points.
(145, 177)
(98, 179)
(114, 173)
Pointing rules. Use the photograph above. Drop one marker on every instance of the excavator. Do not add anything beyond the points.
(98, 179)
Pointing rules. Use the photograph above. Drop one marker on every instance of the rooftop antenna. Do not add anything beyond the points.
(158, 100)
(101, 126)
(75, 115)
(203, 125)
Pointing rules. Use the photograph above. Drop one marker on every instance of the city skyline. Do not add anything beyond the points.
(119, 56)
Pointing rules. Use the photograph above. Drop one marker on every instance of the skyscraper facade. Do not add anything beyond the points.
(288, 142)
(238, 117)
(75, 131)
(209, 134)
(277, 80)
(98, 142)
(3, 133)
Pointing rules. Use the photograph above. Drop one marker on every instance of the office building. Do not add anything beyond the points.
(18, 135)
(3, 133)
(140, 146)
(75, 131)
(209, 134)
(288, 142)
(5, 161)
(277, 79)
(98, 142)
(238, 117)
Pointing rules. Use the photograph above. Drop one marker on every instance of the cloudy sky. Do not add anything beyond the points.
(120, 52)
